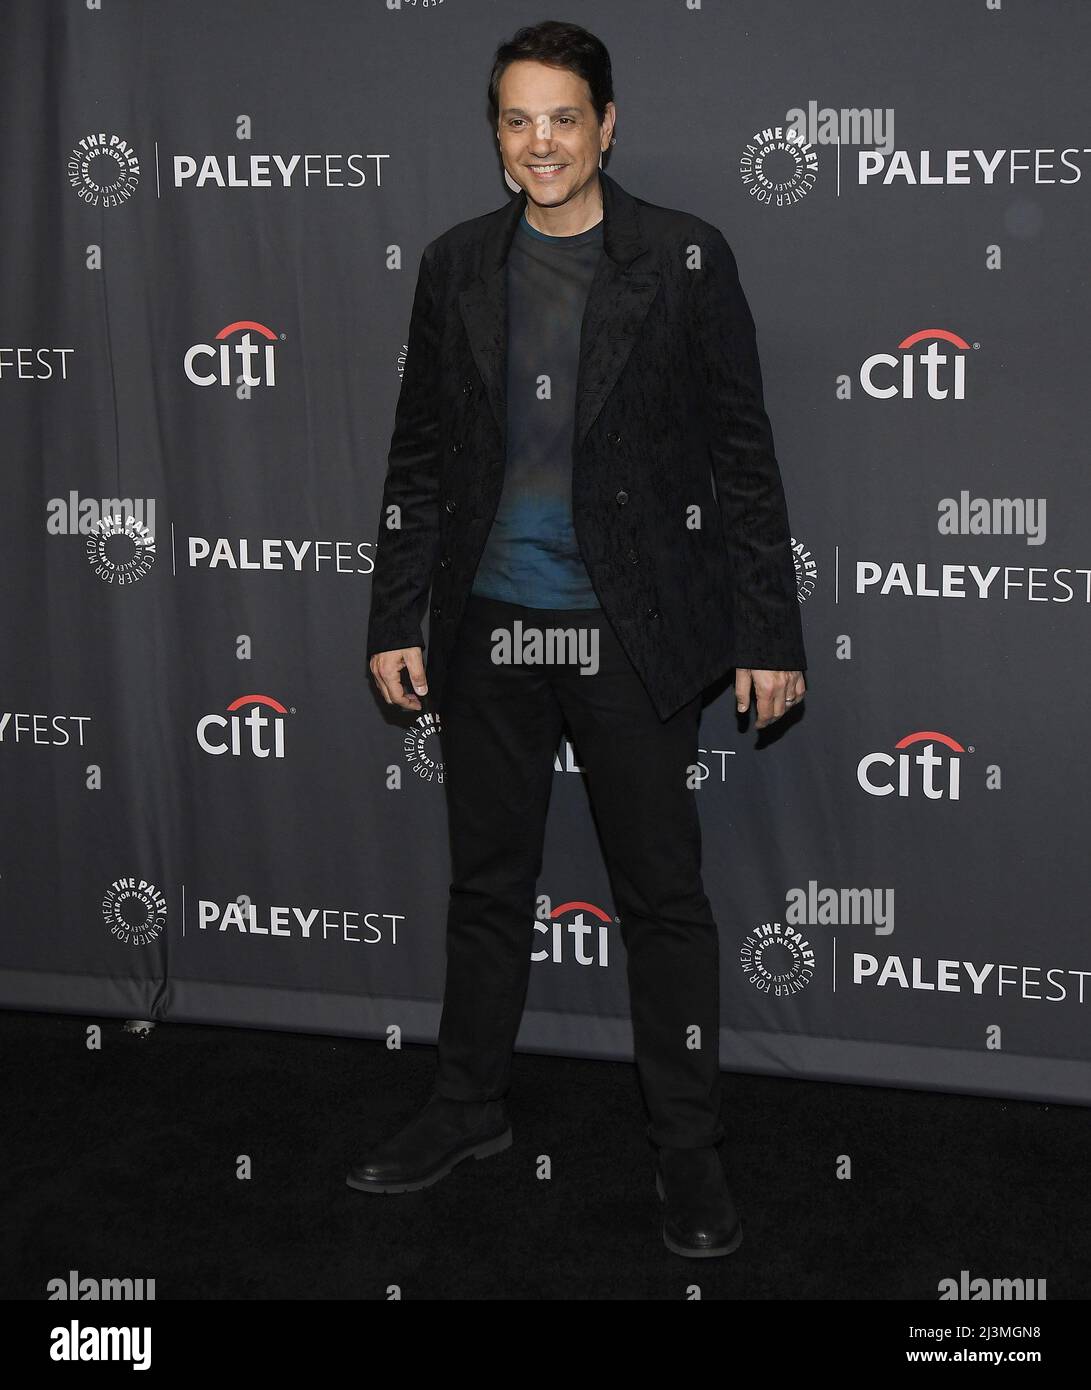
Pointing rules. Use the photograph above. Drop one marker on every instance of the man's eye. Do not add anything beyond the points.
(518, 120)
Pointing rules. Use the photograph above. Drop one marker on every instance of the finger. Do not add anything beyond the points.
(414, 664)
(767, 703)
(380, 684)
(763, 705)
(403, 698)
(390, 669)
(743, 685)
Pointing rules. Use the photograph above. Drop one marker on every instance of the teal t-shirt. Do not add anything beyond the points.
(531, 556)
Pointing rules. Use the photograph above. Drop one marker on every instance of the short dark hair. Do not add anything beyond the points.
(559, 45)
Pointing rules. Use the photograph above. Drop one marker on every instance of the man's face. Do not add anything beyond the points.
(546, 119)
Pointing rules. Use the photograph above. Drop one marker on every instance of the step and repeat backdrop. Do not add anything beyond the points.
(213, 220)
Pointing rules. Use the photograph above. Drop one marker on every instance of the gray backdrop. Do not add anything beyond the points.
(208, 815)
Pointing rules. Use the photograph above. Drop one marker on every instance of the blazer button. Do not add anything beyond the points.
(652, 613)
(467, 388)
(445, 563)
(614, 437)
(456, 446)
(634, 558)
(621, 498)
(436, 611)
(452, 505)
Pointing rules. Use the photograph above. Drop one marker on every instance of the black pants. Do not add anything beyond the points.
(500, 728)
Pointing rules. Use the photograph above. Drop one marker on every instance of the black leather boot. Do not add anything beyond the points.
(699, 1216)
(442, 1133)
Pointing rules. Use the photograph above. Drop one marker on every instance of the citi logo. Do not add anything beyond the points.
(935, 774)
(245, 354)
(223, 733)
(936, 371)
(575, 931)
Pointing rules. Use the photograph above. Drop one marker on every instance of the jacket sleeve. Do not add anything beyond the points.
(749, 490)
(408, 528)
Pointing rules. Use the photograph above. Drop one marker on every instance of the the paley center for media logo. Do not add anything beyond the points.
(103, 169)
(135, 911)
(119, 532)
(779, 162)
(806, 567)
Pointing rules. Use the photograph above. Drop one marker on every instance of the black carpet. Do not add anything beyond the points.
(123, 1163)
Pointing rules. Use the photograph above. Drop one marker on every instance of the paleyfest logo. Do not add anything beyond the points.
(104, 170)
(135, 911)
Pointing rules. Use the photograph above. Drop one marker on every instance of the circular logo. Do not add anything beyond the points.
(135, 911)
(777, 960)
(120, 552)
(778, 166)
(104, 170)
(806, 570)
(422, 750)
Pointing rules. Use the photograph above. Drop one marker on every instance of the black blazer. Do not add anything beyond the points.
(677, 500)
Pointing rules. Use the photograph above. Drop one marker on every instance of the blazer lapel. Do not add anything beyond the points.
(617, 304)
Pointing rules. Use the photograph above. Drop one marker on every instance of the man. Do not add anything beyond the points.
(580, 445)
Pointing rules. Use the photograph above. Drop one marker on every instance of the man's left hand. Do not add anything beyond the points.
(776, 692)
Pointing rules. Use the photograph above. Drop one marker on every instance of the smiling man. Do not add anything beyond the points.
(580, 444)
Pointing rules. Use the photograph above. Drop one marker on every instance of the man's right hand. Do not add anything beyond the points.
(386, 669)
